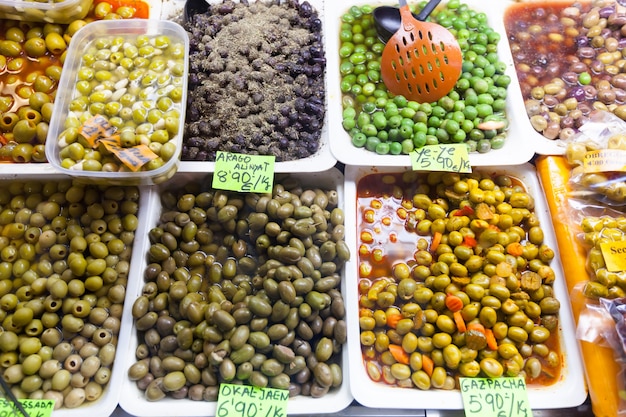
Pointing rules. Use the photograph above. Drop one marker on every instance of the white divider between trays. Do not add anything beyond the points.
(569, 391)
(133, 401)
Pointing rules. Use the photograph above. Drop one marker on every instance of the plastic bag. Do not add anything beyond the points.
(598, 154)
(616, 338)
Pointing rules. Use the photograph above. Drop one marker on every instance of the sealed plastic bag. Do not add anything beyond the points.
(598, 154)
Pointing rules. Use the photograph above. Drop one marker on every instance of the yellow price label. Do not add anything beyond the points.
(34, 408)
(244, 173)
(605, 160)
(452, 157)
(614, 254)
(247, 401)
(495, 397)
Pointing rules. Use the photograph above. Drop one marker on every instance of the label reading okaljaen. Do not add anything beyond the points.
(244, 173)
(495, 397)
(452, 157)
(249, 401)
(34, 408)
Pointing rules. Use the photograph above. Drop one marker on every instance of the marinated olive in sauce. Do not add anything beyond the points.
(454, 280)
(569, 62)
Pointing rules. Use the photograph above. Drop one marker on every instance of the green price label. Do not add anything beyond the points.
(451, 157)
(248, 401)
(34, 408)
(495, 397)
(245, 173)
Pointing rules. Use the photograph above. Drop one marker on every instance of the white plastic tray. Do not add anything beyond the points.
(107, 403)
(518, 148)
(322, 160)
(569, 391)
(133, 400)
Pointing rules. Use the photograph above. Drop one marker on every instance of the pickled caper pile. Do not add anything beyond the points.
(64, 258)
(603, 283)
(432, 244)
(242, 288)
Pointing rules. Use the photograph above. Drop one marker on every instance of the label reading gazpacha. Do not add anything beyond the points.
(605, 160)
(97, 130)
(495, 397)
(614, 254)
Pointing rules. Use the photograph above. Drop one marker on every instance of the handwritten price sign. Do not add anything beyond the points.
(449, 157)
(248, 401)
(497, 397)
(34, 408)
(245, 173)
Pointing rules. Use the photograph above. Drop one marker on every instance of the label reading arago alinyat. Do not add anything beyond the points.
(245, 173)
(249, 401)
(495, 397)
(452, 157)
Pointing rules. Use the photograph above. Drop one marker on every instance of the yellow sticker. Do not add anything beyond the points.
(451, 157)
(134, 158)
(95, 129)
(605, 160)
(614, 254)
(245, 173)
(34, 408)
(495, 397)
(248, 401)
(98, 131)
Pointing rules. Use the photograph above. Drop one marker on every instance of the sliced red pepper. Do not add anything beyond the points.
(469, 241)
(464, 211)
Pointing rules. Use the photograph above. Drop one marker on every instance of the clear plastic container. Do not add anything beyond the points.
(128, 90)
(64, 11)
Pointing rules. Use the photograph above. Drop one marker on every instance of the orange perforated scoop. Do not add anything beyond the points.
(422, 60)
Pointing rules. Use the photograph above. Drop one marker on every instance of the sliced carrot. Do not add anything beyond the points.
(492, 343)
(399, 354)
(515, 249)
(436, 241)
(453, 303)
(459, 321)
(393, 319)
(427, 364)
(476, 326)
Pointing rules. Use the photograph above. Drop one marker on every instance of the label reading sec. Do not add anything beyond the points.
(495, 397)
(451, 157)
(34, 408)
(248, 401)
(246, 173)
(614, 254)
(605, 160)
